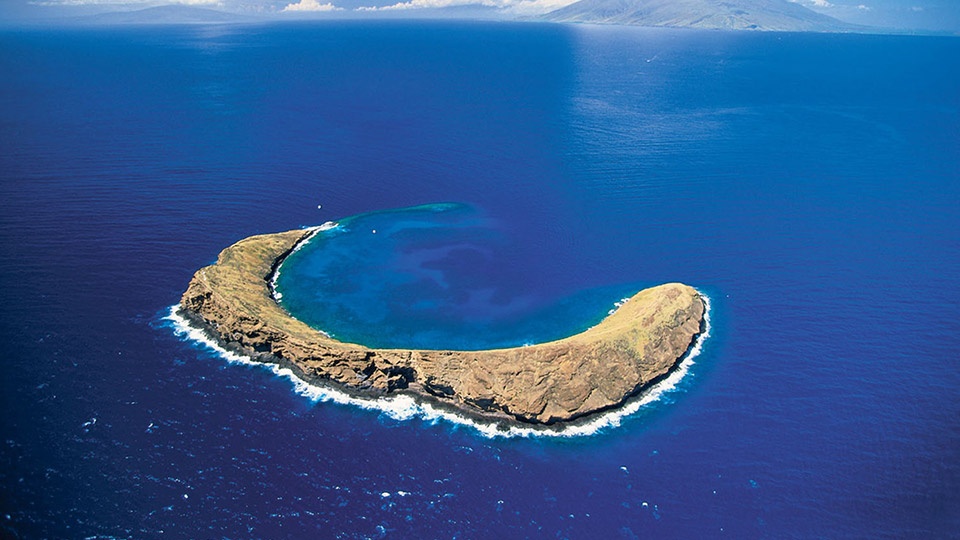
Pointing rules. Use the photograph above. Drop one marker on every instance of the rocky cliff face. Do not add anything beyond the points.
(546, 383)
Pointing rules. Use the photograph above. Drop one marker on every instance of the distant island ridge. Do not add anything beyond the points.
(764, 15)
(558, 381)
(758, 15)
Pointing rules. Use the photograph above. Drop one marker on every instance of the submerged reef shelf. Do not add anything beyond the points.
(558, 381)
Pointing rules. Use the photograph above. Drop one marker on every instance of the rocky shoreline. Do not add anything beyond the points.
(559, 381)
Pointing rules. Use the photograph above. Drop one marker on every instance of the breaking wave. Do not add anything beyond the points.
(406, 407)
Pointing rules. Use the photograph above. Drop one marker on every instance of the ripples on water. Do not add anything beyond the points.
(807, 183)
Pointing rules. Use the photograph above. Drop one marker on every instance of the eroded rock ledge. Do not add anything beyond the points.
(551, 382)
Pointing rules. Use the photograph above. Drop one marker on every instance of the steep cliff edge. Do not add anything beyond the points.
(546, 383)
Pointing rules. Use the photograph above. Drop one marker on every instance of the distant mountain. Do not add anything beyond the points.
(163, 15)
(781, 15)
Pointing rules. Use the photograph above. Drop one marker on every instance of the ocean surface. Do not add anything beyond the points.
(808, 184)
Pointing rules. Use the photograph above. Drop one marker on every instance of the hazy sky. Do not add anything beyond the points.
(904, 14)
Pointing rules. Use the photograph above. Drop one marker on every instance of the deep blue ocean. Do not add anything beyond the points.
(809, 184)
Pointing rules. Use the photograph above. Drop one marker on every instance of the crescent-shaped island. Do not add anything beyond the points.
(558, 381)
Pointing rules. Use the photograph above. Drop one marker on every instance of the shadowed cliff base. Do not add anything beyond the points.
(557, 381)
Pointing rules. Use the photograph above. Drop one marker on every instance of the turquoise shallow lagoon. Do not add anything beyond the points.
(433, 276)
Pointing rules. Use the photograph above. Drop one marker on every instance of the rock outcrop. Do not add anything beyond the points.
(546, 383)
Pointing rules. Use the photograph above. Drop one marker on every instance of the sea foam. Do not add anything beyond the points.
(406, 407)
(328, 226)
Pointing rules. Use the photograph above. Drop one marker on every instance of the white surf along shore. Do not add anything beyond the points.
(405, 406)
